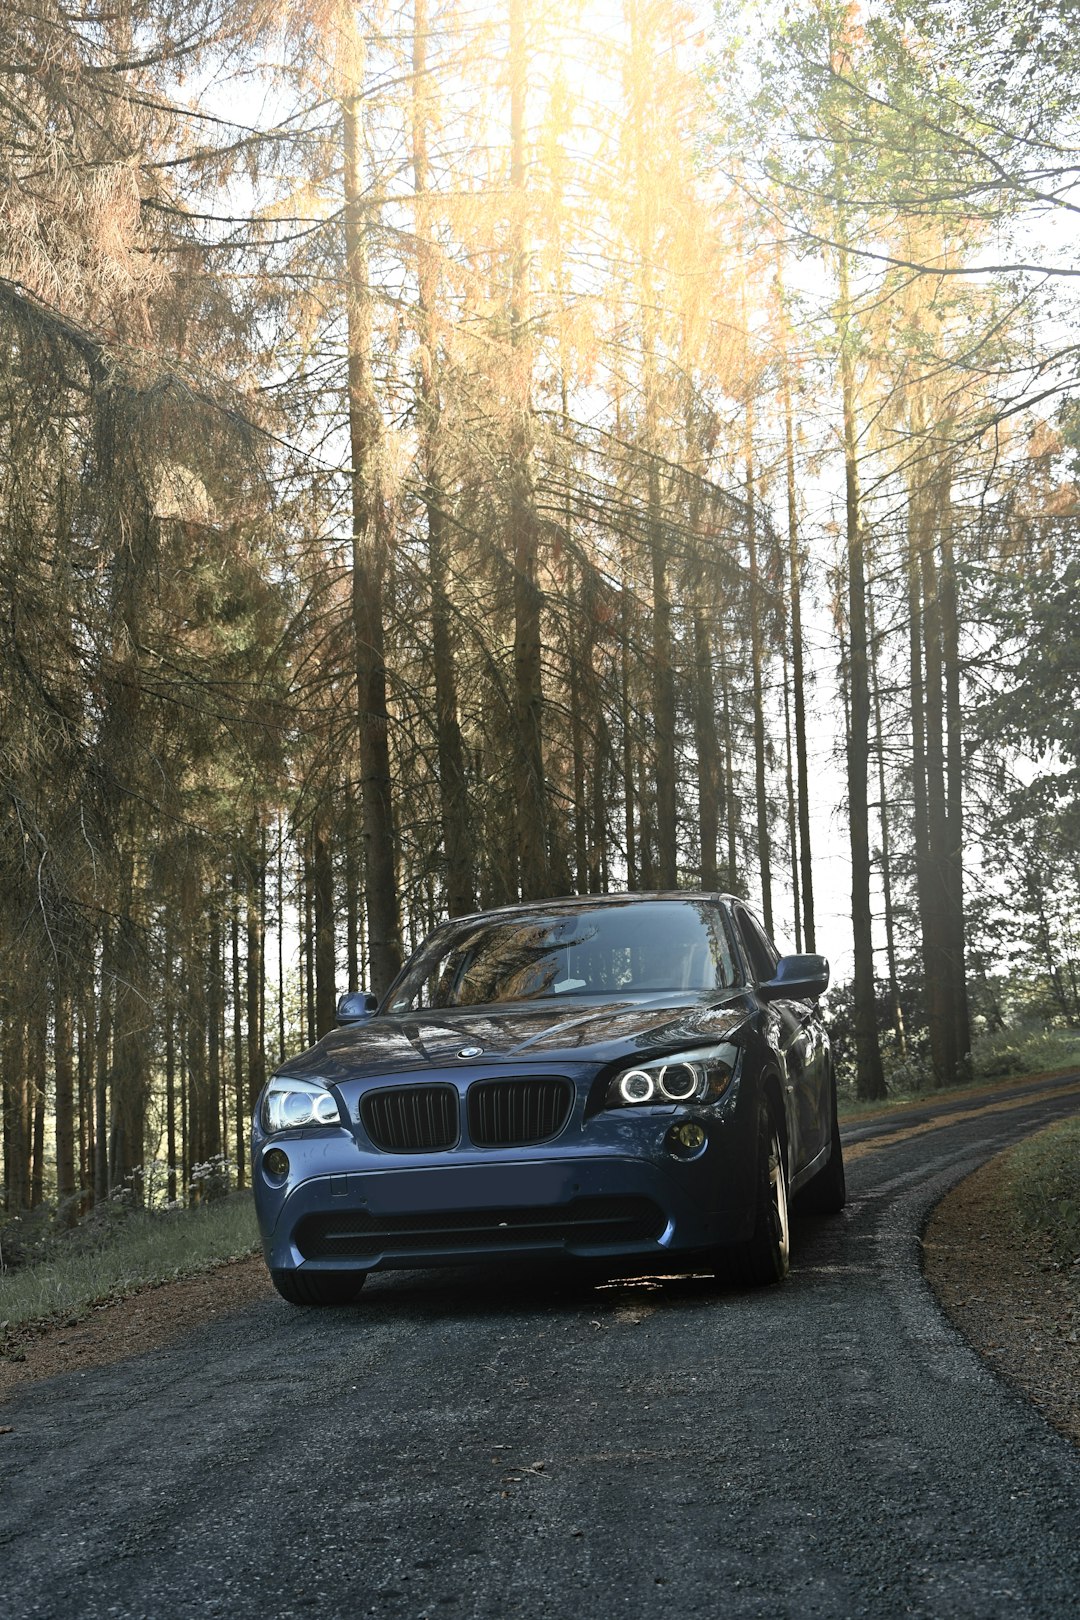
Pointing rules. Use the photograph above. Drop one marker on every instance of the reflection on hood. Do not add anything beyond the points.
(583, 1034)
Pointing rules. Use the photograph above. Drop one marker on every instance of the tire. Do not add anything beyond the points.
(826, 1193)
(319, 1287)
(764, 1258)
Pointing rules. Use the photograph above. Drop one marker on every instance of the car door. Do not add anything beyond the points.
(799, 1036)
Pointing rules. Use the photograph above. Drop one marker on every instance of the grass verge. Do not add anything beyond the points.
(144, 1249)
(1042, 1189)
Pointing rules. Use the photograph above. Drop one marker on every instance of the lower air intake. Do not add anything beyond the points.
(586, 1223)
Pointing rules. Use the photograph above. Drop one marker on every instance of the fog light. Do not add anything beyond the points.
(276, 1163)
(689, 1135)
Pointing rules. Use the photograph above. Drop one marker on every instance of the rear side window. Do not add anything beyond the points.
(760, 952)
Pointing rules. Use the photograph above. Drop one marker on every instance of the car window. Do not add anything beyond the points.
(639, 948)
(761, 953)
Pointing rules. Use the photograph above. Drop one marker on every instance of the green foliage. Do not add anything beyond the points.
(116, 1251)
(1043, 1188)
(916, 119)
(1027, 1049)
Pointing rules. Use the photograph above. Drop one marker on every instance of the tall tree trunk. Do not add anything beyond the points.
(64, 1063)
(307, 938)
(626, 717)
(598, 841)
(240, 1096)
(170, 1081)
(322, 873)
(531, 786)
(731, 805)
(216, 1129)
(802, 774)
(352, 893)
(370, 549)
(707, 745)
(255, 905)
(920, 835)
(200, 1104)
(895, 1008)
(757, 658)
(102, 1060)
(870, 1079)
(937, 942)
(37, 1045)
(577, 746)
(86, 1092)
(953, 854)
(453, 790)
(17, 1112)
(665, 779)
(186, 1160)
(132, 1028)
(789, 785)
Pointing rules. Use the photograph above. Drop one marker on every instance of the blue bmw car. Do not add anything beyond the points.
(639, 1080)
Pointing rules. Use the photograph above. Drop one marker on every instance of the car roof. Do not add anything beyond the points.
(591, 902)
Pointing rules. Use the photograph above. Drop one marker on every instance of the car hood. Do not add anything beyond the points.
(585, 1034)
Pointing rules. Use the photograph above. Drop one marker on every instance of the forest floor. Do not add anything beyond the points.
(145, 1320)
(1007, 1295)
(1003, 1292)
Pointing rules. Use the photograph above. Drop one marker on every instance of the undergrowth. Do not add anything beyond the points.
(1024, 1050)
(1001, 1055)
(1042, 1185)
(122, 1254)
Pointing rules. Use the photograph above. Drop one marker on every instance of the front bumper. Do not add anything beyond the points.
(626, 1195)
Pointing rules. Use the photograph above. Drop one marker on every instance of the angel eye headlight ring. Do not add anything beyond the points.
(637, 1086)
(679, 1081)
(703, 1077)
(291, 1104)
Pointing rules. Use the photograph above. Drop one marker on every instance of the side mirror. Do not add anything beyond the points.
(356, 1005)
(802, 978)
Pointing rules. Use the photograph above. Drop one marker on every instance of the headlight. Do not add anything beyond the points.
(290, 1104)
(701, 1078)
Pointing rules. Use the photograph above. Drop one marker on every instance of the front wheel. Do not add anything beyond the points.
(765, 1256)
(318, 1287)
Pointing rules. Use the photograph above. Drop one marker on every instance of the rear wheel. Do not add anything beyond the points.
(765, 1256)
(318, 1287)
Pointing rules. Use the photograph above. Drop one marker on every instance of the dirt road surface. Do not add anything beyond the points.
(482, 1445)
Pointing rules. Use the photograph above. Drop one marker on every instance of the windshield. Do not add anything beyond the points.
(642, 948)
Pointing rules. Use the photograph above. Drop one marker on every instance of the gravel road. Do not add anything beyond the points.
(479, 1446)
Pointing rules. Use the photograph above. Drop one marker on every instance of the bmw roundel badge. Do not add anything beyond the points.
(471, 1051)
